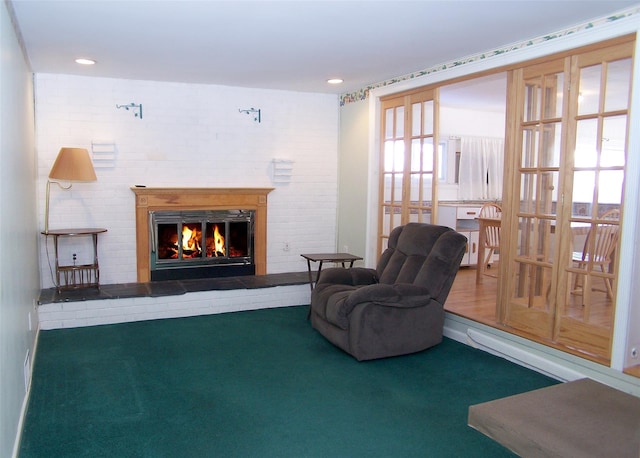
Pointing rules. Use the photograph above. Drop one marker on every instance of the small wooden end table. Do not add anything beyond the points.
(76, 276)
(342, 258)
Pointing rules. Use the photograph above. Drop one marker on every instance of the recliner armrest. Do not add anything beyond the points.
(412, 295)
(398, 295)
(354, 276)
(379, 293)
(408, 289)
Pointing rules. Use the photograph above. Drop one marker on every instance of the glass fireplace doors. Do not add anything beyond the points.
(210, 240)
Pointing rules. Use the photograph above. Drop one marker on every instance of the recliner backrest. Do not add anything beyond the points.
(423, 254)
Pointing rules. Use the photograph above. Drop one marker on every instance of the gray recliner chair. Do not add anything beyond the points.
(397, 308)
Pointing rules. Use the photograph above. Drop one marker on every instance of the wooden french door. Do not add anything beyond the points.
(537, 120)
(408, 161)
(567, 133)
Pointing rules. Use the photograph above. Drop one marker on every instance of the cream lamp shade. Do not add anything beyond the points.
(72, 164)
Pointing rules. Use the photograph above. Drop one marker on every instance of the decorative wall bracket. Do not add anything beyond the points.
(256, 113)
(136, 108)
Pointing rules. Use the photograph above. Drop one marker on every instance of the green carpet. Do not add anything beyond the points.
(254, 384)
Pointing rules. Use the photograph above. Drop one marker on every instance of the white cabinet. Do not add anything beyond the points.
(471, 256)
(462, 218)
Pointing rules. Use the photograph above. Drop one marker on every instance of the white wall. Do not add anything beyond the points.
(19, 282)
(353, 178)
(473, 123)
(190, 135)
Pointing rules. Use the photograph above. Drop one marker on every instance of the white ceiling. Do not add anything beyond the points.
(290, 45)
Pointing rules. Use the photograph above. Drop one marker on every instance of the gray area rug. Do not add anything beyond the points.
(582, 418)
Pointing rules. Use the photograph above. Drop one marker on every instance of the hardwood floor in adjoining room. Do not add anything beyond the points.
(473, 301)
(478, 301)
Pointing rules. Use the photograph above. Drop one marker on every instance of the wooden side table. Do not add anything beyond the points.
(76, 276)
(342, 258)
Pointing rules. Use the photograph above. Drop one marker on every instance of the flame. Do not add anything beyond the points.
(190, 239)
(218, 242)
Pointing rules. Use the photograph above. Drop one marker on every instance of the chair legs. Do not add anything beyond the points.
(580, 283)
(486, 262)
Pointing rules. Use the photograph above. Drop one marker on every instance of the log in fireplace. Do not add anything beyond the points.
(200, 232)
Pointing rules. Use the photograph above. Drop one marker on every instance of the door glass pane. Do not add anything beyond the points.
(393, 156)
(522, 281)
(427, 126)
(618, 85)
(543, 240)
(416, 119)
(399, 131)
(528, 192)
(397, 217)
(583, 191)
(426, 192)
(533, 100)
(548, 193)
(586, 154)
(550, 151)
(392, 188)
(525, 240)
(589, 92)
(416, 155)
(554, 85)
(427, 155)
(388, 156)
(529, 147)
(421, 190)
(534, 241)
(532, 286)
(415, 189)
(388, 186)
(388, 123)
(610, 186)
(614, 132)
(542, 287)
(391, 219)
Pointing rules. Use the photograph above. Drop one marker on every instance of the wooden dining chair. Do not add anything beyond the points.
(491, 236)
(598, 250)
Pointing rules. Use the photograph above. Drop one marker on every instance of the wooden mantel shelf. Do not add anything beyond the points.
(159, 199)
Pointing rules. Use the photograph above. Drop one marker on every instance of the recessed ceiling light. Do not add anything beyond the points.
(335, 80)
(85, 61)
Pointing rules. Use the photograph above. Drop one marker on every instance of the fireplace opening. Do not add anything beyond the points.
(201, 244)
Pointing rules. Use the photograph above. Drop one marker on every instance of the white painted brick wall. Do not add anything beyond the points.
(190, 135)
(111, 311)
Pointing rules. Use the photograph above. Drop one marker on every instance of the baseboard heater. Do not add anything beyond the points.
(521, 356)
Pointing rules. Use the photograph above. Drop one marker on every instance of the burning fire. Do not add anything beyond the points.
(190, 240)
(217, 244)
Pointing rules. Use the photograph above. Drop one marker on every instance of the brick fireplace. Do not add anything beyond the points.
(150, 201)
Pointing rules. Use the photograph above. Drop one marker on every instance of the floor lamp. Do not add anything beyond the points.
(72, 164)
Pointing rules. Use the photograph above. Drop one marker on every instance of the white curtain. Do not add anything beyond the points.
(481, 168)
